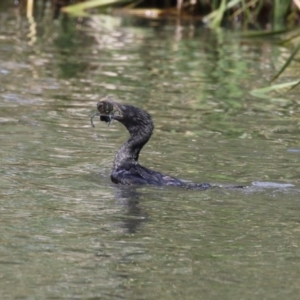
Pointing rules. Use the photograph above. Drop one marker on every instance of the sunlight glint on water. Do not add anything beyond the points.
(67, 232)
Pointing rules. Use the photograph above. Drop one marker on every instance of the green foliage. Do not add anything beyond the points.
(265, 91)
(244, 12)
(79, 8)
(277, 13)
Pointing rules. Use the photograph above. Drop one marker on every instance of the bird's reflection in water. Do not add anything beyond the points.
(129, 197)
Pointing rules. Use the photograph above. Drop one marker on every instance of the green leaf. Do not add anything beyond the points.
(262, 92)
(263, 34)
(78, 9)
(295, 51)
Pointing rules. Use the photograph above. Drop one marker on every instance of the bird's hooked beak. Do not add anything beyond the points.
(108, 111)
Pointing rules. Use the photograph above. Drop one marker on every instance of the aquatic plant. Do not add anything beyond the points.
(277, 13)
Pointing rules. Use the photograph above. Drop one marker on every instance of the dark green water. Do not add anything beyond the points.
(67, 232)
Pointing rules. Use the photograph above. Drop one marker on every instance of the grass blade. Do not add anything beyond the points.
(289, 60)
(262, 92)
(78, 9)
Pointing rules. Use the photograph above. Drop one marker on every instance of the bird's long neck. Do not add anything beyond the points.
(140, 127)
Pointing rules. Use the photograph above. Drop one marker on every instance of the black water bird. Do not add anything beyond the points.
(126, 168)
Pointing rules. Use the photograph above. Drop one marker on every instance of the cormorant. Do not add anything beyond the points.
(126, 168)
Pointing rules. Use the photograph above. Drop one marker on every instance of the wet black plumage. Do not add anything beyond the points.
(126, 168)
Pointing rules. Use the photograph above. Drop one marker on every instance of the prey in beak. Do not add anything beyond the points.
(107, 110)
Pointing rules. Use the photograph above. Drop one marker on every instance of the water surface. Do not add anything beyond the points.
(67, 232)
